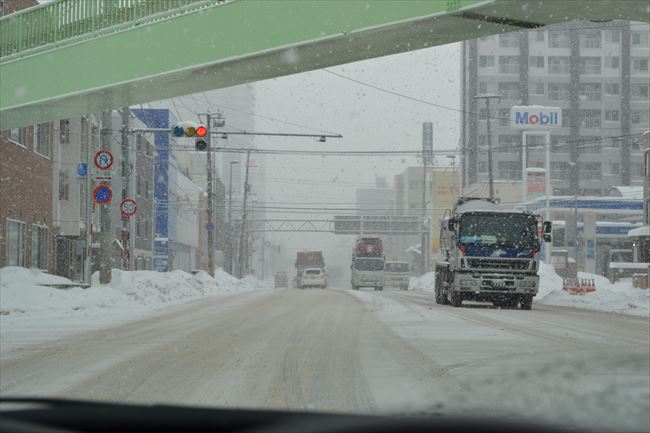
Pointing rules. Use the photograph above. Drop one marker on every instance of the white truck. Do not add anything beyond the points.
(397, 274)
(367, 268)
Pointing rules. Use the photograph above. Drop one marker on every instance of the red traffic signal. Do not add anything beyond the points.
(189, 129)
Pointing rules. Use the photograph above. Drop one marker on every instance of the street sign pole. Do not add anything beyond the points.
(105, 253)
(89, 204)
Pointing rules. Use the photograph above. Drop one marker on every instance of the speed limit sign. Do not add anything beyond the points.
(128, 207)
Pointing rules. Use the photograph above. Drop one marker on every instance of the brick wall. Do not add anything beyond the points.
(25, 193)
(11, 6)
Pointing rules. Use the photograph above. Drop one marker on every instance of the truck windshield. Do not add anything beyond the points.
(397, 267)
(509, 230)
(368, 265)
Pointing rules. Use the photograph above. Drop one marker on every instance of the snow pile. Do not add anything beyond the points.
(620, 297)
(426, 282)
(23, 291)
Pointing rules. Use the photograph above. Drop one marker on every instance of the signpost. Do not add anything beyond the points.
(102, 194)
(103, 159)
(128, 207)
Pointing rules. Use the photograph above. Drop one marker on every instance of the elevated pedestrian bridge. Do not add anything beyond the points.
(71, 57)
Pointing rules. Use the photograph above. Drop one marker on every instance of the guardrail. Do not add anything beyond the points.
(66, 21)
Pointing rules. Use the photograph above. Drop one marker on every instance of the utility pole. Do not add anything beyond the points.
(88, 219)
(489, 139)
(231, 237)
(105, 253)
(243, 244)
(423, 236)
(210, 223)
(126, 174)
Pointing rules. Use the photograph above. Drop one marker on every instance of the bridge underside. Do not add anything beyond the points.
(250, 40)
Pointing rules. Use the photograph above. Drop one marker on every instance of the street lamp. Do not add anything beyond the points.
(230, 231)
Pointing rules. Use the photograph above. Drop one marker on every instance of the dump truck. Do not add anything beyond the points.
(489, 254)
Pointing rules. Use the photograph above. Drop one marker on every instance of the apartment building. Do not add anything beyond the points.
(597, 73)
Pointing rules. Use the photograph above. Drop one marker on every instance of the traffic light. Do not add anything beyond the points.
(189, 129)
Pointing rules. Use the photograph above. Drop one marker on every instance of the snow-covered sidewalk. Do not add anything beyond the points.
(620, 297)
(27, 304)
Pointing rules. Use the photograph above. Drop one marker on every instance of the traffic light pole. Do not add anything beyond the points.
(210, 224)
(243, 243)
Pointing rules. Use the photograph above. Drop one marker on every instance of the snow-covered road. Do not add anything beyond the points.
(356, 351)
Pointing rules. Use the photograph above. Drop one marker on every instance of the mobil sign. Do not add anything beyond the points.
(535, 117)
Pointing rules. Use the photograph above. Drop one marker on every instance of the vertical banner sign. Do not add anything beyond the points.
(159, 118)
(536, 182)
(427, 142)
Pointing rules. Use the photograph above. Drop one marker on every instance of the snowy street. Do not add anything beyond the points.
(361, 351)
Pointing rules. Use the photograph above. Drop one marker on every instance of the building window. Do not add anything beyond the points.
(536, 88)
(15, 243)
(18, 136)
(482, 167)
(639, 91)
(509, 170)
(536, 61)
(64, 185)
(138, 188)
(64, 131)
(612, 89)
(42, 143)
(640, 65)
(558, 39)
(509, 90)
(486, 61)
(612, 62)
(590, 118)
(637, 169)
(509, 64)
(590, 91)
(612, 36)
(39, 246)
(482, 113)
(482, 140)
(558, 65)
(590, 170)
(559, 170)
(482, 87)
(614, 168)
(590, 144)
(558, 92)
(590, 39)
(639, 117)
(611, 116)
(639, 39)
(539, 36)
(509, 40)
(509, 143)
(590, 65)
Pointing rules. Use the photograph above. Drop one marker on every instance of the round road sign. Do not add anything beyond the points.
(102, 194)
(209, 227)
(128, 207)
(103, 159)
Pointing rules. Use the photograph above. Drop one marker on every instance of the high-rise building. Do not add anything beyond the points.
(597, 73)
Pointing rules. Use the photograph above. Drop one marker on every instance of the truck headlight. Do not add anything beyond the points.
(466, 282)
(527, 283)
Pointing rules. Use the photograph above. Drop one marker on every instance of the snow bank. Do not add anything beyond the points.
(23, 291)
(620, 297)
(426, 282)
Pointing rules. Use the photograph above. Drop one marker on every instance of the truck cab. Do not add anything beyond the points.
(397, 274)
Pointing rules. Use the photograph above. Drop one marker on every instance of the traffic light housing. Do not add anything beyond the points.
(200, 145)
(189, 129)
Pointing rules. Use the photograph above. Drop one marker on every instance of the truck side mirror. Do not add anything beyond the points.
(451, 225)
(548, 230)
(547, 237)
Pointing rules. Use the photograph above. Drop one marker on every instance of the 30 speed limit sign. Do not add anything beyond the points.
(128, 207)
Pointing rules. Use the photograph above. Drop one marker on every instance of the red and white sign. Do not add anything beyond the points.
(128, 207)
(103, 159)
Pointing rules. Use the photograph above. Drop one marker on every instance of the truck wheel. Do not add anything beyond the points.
(455, 300)
(381, 288)
(527, 302)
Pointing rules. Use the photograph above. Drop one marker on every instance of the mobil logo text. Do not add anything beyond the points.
(535, 117)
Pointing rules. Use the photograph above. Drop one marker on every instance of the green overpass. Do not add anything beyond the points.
(72, 57)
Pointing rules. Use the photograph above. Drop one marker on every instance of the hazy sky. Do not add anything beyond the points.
(367, 118)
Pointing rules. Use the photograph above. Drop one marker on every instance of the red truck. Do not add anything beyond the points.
(369, 246)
